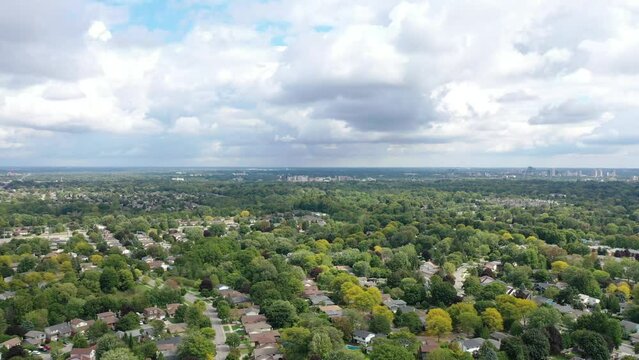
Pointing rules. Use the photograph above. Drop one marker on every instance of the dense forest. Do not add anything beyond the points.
(387, 269)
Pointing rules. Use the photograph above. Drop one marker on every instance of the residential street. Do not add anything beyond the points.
(216, 323)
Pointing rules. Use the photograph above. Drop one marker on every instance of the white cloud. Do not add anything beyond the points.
(99, 31)
(395, 80)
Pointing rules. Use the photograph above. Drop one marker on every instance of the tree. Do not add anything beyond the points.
(468, 322)
(513, 347)
(487, 352)
(591, 344)
(95, 331)
(119, 354)
(345, 355)
(388, 350)
(438, 322)
(281, 313)
(442, 293)
(320, 345)
(208, 332)
(492, 320)
(472, 286)
(544, 317)
(295, 341)
(536, 343)
(79, 341)
(379, 324)
(383, 311)
(409, 320)
(107, 343)
(233, 340)
(109, 280)
(196, 345)
(600, 323)
(128, 322)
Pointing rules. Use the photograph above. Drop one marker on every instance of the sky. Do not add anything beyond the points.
(486, 83)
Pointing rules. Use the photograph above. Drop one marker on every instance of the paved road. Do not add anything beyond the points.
(216, 323)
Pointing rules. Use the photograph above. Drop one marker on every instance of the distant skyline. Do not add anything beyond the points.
(319, 83)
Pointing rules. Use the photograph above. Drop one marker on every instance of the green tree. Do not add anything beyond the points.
(320, 345)
(544, 317)
(591, 344)
(109, 280)
(409, 320)
(602, 324)
(487, 352)
(128, 322)
(107, 343)
(119, 354)
(380, 324)
(295, 341)
(196, 345)
(514, 348)
(388, 350)
(536, 343)
(281, 313)
(95, 331)
(233, 340)
(345, 355)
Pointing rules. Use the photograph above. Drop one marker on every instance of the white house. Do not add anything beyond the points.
(588, 301)
(363, 337)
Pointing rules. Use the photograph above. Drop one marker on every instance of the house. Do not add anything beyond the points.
(257, 328)
(109, 318)
(493, 266)
(7, 294)
(267, 352)
(83, 354)
(144, 332)
(518, 293)
(265, 338)
(499, 336)
(406, 309)
(252, 319)
(473, 345)
(34, 337)
(393, 305)
(11, 343)
(171, 309)
(634, 338)
(154, 313)
(542, 286)
(169, 347)
(176, 329)
(320, 299)
(363, 337)
(428, 269)
(588, 301)
(58, 331)
(235, 297)
(331, 310)
(485, 280)
(79, 326)
(629, 326)
(344, 268)
(426, 348)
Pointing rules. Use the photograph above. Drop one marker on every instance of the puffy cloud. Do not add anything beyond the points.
(568, 112)
(300, 83)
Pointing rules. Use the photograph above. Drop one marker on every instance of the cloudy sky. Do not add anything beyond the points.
(319, 83)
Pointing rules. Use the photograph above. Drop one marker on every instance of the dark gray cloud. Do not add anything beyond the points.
(568, 112)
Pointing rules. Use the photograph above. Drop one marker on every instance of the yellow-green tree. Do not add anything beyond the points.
(438, 322)
(383, 311)
(492, 319)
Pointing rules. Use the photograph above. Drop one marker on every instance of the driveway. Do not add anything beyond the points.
(221, 348)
